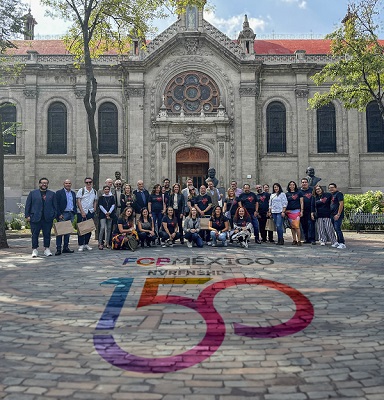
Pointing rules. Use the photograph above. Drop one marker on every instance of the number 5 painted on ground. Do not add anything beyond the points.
(107, 347)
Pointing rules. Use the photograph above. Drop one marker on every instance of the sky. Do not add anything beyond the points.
(291, 18)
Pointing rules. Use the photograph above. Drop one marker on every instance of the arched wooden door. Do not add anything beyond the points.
(193, 163)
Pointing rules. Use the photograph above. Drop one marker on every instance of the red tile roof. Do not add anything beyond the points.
(311, 46)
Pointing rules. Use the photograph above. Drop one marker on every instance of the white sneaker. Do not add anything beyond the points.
(169, 243)
(81, 248)
(189, 244)
(35, 253)
(212, 244)
(164, 245)
(335, 244)
(209, 243)
(322, 243)
(47, 252)
(246, 244)
(86, 247)
(225, 243)
(341, 246)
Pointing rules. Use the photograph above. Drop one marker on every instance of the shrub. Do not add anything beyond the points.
(369, 202)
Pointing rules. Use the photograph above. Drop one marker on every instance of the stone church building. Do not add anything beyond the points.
(192, 99)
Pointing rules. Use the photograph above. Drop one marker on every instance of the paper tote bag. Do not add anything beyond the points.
(204, 222)
(63, 228)
(85, 227)
(270, 225)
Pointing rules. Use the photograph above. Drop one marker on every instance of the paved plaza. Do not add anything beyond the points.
(266, 323)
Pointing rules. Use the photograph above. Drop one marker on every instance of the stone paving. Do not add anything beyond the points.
(266, 323)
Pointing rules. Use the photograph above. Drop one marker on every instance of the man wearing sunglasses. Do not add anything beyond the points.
(86, 199)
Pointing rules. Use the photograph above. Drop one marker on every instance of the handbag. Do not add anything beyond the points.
(85, 227)
(270, 225)
(132, 243)
(62, 228)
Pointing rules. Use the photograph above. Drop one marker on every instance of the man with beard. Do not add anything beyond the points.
(40, 211)
(249, 201)
(263, 201)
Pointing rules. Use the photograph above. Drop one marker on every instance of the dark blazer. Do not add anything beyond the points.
(34, 206)
(139, 204)
(61, 199)
(180, 202)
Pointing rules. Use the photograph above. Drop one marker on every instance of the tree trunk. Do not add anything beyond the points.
(3, 234)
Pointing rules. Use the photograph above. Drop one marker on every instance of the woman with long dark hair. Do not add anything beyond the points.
(294, 211)
(169, 232)
(156, 208)
(125, 229)
(145, 228)
(321, 212)
(177, 202)
(277, 206)
(219, 227)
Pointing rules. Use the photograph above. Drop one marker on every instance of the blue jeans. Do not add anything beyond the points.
(68, 216)
(194, 237)
(337, 228)
(157, 217)
(82, 240)
(255, 224)
(279, 224)
(44, 226)
(222, 237)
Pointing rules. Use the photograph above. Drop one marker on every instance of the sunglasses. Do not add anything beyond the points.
(88, 181)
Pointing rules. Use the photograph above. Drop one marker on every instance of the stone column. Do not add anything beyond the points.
(249, 145)
(135, 140)
(301, 93)
(80, 130)
(354, 179)
(29, 128)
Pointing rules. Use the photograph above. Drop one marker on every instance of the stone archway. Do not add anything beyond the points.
(192, 162)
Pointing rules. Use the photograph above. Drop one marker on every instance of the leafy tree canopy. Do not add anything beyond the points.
(103, 25)
(11, 21)
(357, 73)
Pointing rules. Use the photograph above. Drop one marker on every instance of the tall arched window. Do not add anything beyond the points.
(108, 129)
(8, 119)
(326, 129)
(276, 128)
(57, 129)
(375, 128)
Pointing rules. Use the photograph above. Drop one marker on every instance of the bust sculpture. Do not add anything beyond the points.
(312, 179)
(212, 176)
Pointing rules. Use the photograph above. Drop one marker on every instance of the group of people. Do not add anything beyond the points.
(199, 217)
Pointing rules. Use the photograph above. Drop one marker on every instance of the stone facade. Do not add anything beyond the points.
(150, 134)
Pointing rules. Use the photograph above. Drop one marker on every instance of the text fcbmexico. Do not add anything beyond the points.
(206, 261)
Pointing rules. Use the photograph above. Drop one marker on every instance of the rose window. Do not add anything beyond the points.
(192, 92)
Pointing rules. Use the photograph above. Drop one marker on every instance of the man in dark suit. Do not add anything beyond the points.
(40, 211)
(66, 211)
(142, 196)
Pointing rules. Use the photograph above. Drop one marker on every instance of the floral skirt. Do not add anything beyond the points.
(121, 240)
(294, 218)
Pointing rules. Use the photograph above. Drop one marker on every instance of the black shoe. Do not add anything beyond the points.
(58, 252)
(313, 243)
(307, 242)
(271, 241)
(257, 241)
(264, 240)
(68, 250)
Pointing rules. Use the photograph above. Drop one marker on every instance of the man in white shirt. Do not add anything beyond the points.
(86, 199)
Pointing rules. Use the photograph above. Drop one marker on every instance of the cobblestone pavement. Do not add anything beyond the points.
(269, 322)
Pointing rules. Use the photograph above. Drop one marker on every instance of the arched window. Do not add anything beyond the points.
(375, 128)
(276, 128)
(8, 119)
(57, 129)
(326, 129)
(108, 129)
(192, 92)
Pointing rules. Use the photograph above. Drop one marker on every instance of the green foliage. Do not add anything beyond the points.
(356, 76)
(369, 202)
